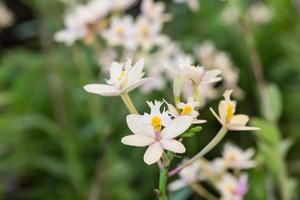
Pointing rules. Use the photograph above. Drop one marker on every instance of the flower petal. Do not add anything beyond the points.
(132, 86)
(211, 76)
(176, 185)
(102, 89)
(137, 140)
(153, 153)
(216, 116)
(173, 145)
(176, 127)
(241, 128)
(199, 121)
(136, 125)
(239, 120)
(136, 70)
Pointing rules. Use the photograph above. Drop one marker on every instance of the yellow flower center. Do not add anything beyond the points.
(144, 31)
(156, 123)
(229, 112)
(232, 157)
(122, 75)
(187, 110)
(231, 188)
(120, 31)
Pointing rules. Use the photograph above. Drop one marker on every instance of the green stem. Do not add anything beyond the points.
(220, 135)
(128, 103)
(163, 178)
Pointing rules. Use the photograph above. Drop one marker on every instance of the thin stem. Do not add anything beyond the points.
(128, 103)
(199, 189)
(220, 135)
(163, 178)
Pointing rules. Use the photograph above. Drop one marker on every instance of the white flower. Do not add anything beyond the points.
(236, 158)
(154, 10)
(121, 5)
(227, 116)
(6, 16)
(232, 188)
(188, 108)
(156, 118)
(148, 33)
(230, 15)
(123, 78)
(260, 13)
(188, 175)
(121, 33)
(80, 21)
(145, 135)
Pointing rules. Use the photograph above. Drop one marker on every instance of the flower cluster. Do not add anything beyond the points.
(218, 173)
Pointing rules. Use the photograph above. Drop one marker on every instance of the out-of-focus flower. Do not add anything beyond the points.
(187, 176)
(147, 135)
(6, 16)
(206, 53)
(230, 15)
(227, 116)
(154, 10)
(232, 188)
(188, 108)
(83, 21)
(212, 170)
(123, 78)
(121, 5)
(260, 13)
(236, 158)
(121, 33)
(193, 4)
(148, 33)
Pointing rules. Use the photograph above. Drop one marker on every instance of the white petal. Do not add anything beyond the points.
(176, 127)
(136, 70)
(222, 109)
(136, 84)
(239, 120)
(137, 140)
(173, 145)
(153, 153)
(215, 114)
(102, 89)
(172, 110)
(199, 121)
(242, 128)
(176, 185)
(212, 80)
(136, 125)
(211, 75)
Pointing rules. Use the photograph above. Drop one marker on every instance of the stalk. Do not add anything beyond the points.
(128, 103)
(216, 140)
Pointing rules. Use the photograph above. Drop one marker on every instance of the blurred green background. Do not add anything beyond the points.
(53, 135)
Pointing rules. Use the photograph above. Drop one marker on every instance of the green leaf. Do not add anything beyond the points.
(272, 104)
(268, 132)
(192, 131)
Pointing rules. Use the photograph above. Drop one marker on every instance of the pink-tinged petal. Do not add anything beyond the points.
(239, 120)
(153, 153)
(216, 116)
(136, 125)
(241, 128)
(102, 89)
(176, 127)
(137, 140)
(173, 145)
(176, 185)
(138, 83)
(199, 121)
(211, 75)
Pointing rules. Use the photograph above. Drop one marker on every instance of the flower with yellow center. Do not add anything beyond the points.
(236, 158)
(188, 108)
(144, 134)
(227, 116)
(123, 78)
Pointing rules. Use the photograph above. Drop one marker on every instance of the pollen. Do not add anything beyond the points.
(122, 75)
(187, 110)
(229, 112)
(156, 123)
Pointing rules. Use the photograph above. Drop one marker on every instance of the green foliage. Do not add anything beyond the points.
(191, 132)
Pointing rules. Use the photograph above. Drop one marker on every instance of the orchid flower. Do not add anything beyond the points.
(123, 78)
(236, 158)
(233, 188)
(227, 116)
(188, 108)
(153, 135)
